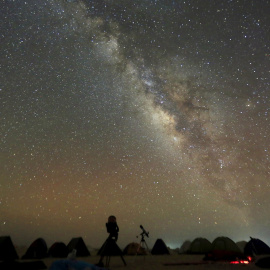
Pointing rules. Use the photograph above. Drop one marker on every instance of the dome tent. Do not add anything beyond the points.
(199, 246)
(224, 243)
(241, 245)
(37, 250)
(134, 249)
(223, 248)
(58, 250)
(185, 247)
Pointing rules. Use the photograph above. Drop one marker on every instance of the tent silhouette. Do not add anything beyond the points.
(160, 248)
(185, 247)
(134, 249)
(223, 248)
(58, 250)
(199, 246)
(241, 245)
(78, 244)
(37, 250)
(257, 247)
(224, 243)
(7, 249)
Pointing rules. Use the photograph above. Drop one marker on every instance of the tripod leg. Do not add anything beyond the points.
(123, 260)
(147, 247)
(108, 258)
(100, 262)
(102, 252)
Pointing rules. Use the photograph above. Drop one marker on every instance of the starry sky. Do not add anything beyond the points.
(155, 111)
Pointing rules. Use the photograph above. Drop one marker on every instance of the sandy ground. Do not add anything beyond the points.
(158, 263)
(155, 262)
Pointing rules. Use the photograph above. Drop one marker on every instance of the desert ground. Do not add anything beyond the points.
(157, 262)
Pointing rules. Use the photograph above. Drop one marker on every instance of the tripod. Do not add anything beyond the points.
(142, 244)
(108, 249)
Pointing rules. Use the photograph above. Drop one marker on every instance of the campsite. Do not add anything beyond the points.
(222, 253)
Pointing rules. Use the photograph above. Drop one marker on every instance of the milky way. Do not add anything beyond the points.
(154, 111)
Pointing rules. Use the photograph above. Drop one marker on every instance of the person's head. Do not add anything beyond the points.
(112, 219)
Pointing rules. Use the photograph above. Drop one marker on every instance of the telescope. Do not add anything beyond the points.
(143, 242)
(144, 231)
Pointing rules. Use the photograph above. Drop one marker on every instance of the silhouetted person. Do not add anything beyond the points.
(112, 228)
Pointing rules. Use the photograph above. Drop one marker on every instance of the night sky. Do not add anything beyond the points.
(155, 111)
